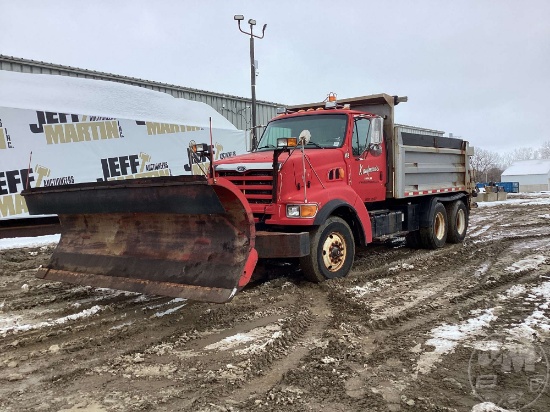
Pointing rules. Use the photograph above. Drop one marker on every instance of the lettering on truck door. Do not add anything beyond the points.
(368, 160)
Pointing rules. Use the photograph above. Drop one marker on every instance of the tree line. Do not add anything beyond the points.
(489, 165)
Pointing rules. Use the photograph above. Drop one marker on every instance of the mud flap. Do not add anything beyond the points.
(184, 236)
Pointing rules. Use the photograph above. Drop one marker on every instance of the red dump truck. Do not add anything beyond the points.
(324, 178)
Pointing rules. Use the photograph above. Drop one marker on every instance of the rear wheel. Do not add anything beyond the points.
(435, 235)
(457, 214)
(332, 250)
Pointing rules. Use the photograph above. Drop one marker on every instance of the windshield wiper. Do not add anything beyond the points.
(316, 144)
(267, 146)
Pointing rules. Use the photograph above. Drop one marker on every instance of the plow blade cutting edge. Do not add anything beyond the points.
(184, 236)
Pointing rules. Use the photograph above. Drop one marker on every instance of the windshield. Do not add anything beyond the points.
(326, 130)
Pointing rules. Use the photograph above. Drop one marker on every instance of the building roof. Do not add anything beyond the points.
(75, 95)
(117, 77)
(528, 167)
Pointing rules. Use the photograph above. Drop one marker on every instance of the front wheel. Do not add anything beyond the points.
(332, 250)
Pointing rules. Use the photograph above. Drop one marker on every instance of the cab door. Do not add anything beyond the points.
(368, 161)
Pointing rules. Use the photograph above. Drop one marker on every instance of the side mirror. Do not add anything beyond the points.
(375, 149)
(375, 145)
(376, 137)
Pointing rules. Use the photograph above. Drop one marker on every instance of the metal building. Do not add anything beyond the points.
(532, 175)
(236, 109)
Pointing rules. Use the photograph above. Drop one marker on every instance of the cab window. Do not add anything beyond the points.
(361, 135)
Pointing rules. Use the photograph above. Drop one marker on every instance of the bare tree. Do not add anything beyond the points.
(494, 174)
(524, 153)
(482, 161)
(544, 151)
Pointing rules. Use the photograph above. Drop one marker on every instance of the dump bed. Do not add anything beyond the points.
(424, 162)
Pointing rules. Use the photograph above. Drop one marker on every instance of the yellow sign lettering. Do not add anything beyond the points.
(94, 127)
(12, 205)
(111, 129)
(2, 139)
(70, 133)
(6, 205)
(19, 203)
(83, 132)
(54, 133)
(153, 128)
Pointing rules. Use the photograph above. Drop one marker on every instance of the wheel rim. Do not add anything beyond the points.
(439, 226)
(334, 252)
(460, 221)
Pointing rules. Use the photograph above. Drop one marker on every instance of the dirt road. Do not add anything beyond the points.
(408, 330)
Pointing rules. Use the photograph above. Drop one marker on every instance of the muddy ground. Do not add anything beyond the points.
(408, 330)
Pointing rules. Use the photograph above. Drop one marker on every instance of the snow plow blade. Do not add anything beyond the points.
(184, 236)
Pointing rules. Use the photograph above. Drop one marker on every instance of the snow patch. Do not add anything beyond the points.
(18, 242)
(263, 335)
(524, 265)
(160, 305)
(116, 327)
(169, 311)
(542, 200)
(537, 321)
(446, 337)
(480, 231)
(11, 324)
(482, 270)
(513, 292)
(367, 288)
(402, 266)
(488, 407)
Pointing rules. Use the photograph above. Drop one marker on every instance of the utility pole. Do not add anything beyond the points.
(252, 23)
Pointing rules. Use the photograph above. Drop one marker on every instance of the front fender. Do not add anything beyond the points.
(356, 207)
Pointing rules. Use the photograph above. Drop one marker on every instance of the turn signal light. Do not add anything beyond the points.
(308, 210)
(305, 210)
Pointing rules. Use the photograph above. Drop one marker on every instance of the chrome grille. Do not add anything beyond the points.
(256, 185)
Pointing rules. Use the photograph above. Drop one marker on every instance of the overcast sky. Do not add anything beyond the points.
(478, 69)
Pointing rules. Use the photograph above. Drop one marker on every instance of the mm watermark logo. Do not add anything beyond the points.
(511, 375)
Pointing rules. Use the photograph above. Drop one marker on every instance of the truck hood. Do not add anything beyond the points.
(250, 161)
(264, 160)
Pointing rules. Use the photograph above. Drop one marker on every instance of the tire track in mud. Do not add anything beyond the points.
(148, 357)
(413, 323)
(309, 331)
(54, 356)
(488, 279)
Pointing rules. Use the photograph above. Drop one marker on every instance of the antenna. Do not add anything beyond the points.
(28, 171)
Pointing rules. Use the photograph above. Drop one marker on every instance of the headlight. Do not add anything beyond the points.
(306, 210)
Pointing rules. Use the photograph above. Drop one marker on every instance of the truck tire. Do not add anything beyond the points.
(457, 215)
(435, 235)
(332, 250)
